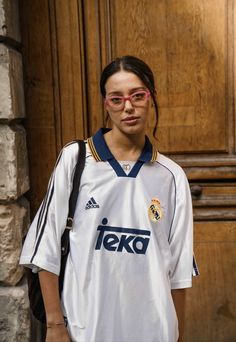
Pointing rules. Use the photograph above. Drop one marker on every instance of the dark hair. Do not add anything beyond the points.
(138, 67)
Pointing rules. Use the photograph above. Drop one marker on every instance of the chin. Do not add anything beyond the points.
(133, 130)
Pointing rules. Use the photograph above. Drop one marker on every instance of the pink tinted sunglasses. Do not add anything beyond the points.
(139, 98)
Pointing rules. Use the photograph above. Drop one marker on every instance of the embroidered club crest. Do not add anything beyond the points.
(155, 211)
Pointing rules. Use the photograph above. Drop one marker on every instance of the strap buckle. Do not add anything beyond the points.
(69, 223)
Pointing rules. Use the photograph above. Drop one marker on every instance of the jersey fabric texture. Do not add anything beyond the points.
(131, 243)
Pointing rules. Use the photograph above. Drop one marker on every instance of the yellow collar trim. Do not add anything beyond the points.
(93, 149)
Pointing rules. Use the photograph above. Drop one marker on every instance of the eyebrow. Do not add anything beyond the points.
(130, 92)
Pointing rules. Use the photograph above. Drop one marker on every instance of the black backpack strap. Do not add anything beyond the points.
(76, 183)
(65, 243)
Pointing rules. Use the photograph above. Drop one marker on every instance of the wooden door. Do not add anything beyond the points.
(189, 44)
(55, 88)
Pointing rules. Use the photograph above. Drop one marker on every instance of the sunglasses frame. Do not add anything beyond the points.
(125, 98)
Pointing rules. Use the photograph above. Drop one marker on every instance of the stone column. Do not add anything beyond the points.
(14, 180)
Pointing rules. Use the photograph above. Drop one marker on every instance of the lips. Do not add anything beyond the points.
(130, 118)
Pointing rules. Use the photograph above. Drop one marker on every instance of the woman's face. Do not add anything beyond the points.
(128, 118)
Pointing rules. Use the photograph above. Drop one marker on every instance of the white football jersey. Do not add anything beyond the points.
(131, 243)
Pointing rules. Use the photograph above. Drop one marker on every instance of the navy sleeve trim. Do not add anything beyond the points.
(169, 235)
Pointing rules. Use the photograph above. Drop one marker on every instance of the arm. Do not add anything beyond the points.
(179, 296)
(51, 299)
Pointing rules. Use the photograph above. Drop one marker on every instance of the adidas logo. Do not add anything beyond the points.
(91, 204)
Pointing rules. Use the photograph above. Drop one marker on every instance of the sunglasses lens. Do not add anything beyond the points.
(139, 98)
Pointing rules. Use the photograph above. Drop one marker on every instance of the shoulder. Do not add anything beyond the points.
(67, 160)
(70, 151)
(172, 167)
(68, 157)
(179, 177)
(169, 164)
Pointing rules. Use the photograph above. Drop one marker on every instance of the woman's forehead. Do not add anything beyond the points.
(123, 81)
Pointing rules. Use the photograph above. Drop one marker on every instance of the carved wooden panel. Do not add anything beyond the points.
(186, 45)
(38, 75)
(55, 90)
(211, 303)
(214, 201)
(94, 44)
(68, 63)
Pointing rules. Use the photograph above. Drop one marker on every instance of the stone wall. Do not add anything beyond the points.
(14, 179)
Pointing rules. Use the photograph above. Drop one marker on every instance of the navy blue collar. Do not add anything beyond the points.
(101, 151)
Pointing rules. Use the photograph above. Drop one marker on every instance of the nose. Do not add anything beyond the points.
(128, 105)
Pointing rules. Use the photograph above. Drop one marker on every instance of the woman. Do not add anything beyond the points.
(131, 254)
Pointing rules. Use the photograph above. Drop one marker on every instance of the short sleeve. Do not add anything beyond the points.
(183, 265)
(42, 246)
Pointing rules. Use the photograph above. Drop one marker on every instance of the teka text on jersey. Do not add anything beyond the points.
(119, 239)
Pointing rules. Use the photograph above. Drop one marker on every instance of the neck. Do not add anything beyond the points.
(125, 146)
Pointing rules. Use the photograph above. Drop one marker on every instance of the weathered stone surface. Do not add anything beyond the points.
(11, 84)
(14, 180)
(14, 314)
(14, 221)
(9, 19)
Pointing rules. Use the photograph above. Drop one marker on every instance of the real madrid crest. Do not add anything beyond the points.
(155, 211)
